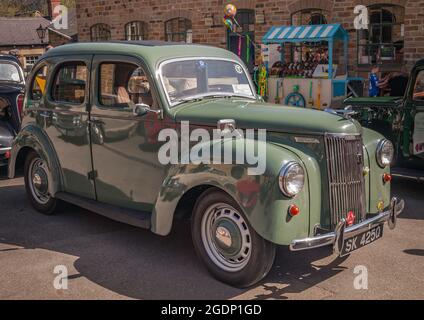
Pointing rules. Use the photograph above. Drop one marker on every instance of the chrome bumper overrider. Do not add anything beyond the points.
(342, 232)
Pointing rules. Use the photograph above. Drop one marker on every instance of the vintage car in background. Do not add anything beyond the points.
(12, 84)
(401, 120)
(326, 180)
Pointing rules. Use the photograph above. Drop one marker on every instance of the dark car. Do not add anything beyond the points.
(12, 85)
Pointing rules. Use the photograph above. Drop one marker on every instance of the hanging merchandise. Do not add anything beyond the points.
(262, 80)
(277, 93)
(295, 98)
(229, 19)
(239, 46)
(311, 99)
(247, 48)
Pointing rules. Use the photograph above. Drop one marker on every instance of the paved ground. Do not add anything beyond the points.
(109, 260)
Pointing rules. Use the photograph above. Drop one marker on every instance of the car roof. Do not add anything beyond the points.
(152, 52)
(9, 57)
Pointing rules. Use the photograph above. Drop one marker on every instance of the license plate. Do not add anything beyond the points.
(361, 240)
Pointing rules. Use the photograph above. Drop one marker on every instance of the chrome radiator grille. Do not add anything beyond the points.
(345, 164)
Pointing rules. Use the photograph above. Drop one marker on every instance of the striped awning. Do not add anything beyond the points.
(305, 33)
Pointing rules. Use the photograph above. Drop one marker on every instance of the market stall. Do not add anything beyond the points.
(311, 66)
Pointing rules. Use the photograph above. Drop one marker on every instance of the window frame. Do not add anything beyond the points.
(169, 36)
(38, 68)
(399, 21)
(142, 29)
(98, 84)
(52, 81)
(105, 28)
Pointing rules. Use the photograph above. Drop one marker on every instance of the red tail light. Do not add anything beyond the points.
(7, 155)
(20, 104)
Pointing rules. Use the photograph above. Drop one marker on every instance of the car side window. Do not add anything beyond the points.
(69, 84)
(38, 87)
(123, 85)
(418, 94)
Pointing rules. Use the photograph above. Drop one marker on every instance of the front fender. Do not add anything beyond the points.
(31, 136)
(377, 190)
(258, 196)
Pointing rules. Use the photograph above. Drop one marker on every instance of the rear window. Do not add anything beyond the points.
(70, 83)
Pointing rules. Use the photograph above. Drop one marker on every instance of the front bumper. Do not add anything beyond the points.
(342, 232)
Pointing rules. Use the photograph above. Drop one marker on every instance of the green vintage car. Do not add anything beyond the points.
(401, 120)
(325, 179)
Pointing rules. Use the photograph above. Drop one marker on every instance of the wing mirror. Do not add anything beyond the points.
(142, 109)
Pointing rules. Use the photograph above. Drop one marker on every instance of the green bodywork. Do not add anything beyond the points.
(118, 164)
(394, 117)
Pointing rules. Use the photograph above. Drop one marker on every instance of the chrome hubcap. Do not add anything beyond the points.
(226, 237)
(39, 183)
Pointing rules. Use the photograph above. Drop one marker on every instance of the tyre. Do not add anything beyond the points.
(37, 184)
(226, 243)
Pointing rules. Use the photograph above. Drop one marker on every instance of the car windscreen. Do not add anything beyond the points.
(188, 79)
(9, 72)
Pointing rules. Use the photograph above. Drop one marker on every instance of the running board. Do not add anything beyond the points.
(134, 218)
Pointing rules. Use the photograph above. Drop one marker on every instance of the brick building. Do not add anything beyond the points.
(395, 36)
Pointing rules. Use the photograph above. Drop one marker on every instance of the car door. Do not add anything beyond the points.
(65, 118)
(127, 170)
(416, 105)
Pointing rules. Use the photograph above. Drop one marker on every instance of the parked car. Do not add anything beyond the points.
(401, 120)
(325, 183)
(12, 84)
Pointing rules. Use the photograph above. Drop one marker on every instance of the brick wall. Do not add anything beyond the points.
(117, 13)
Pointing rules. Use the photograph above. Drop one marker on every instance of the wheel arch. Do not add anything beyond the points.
(32, 138)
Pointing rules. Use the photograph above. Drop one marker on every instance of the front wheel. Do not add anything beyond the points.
(229, 247)
(37, 184)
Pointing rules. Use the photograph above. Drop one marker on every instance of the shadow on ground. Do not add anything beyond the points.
(138, 264)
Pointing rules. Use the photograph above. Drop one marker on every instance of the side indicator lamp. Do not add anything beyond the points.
(294, 210)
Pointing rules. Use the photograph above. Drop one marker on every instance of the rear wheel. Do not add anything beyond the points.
(229, 247)
(37, 184)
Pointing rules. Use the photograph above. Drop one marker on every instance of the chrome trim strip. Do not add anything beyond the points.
(342, 232)
(5, 149)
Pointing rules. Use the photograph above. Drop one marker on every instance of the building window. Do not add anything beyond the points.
(100, 32)
(239, 42)
(304, 51)
(178, 30)
(309, 16)
(382, 42)
(30, 61)
(136, 30)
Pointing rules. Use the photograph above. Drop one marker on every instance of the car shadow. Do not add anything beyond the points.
(413, 191)
(138, 264)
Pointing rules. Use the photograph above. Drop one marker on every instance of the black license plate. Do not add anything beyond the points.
(361, 240)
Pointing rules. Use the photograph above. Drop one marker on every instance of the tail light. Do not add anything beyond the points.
(20, 105)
